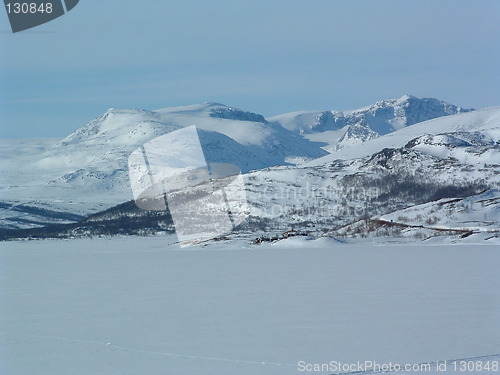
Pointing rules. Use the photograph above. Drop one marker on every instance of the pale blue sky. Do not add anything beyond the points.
(268, 57)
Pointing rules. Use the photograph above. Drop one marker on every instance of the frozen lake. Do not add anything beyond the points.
(138, 306)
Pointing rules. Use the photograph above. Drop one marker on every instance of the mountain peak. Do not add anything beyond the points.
(214, 104)
(407, 97)
(231, 113)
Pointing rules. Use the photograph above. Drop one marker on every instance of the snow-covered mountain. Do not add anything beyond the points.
(353, 191)
(484, 122)
(87, 171)
(267, 144)
(226, 133)
(341, 129)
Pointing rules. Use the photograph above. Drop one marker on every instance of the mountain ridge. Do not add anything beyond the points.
(88, 173)
(357, 126)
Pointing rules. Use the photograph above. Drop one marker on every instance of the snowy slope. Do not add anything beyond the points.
(321, 199)
(480, 213)
(341, 129)
(450, 157)
(485, 121)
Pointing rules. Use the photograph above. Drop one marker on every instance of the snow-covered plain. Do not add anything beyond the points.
(144, 306)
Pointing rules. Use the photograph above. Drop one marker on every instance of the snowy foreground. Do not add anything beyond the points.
(142, 306)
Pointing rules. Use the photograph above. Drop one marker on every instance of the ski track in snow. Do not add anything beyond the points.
(135, 350)
(108, 345)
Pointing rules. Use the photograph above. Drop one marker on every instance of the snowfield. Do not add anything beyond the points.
(144, 306)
